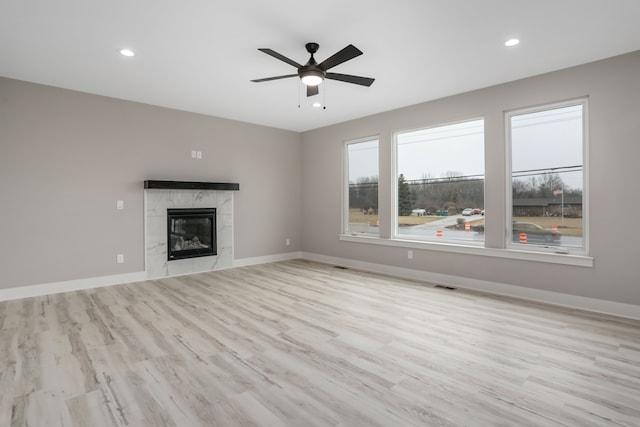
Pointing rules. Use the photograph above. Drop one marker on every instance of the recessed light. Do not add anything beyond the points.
(126, 52)
(511, 42)
(317, 105)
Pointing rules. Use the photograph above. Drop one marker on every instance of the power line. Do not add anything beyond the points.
(546, 171)
(479, 177)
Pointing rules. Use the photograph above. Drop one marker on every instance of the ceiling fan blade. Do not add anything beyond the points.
(266, 79)
(344, 55)
(312, 90)
(364, 81)
(280, 57)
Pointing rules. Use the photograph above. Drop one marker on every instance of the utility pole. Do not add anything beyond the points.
(562, 201)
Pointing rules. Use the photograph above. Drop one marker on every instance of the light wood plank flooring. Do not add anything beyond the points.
(304, 344)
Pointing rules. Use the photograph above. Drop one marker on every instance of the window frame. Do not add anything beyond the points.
(387, 192)
(439, 242)
(344, 226)
(508, 231)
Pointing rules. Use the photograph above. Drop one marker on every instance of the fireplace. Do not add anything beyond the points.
(191, 233)
(159, 196)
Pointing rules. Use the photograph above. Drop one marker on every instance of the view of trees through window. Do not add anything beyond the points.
(450, 194)
(440, 192)
(362, 165)
(547, 176)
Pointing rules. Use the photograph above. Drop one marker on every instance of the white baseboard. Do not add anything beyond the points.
(69, 286)
(555, 298)
(98, 282)
(244, 262)
(573, 301)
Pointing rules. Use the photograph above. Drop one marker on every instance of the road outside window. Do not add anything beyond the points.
(440, 183)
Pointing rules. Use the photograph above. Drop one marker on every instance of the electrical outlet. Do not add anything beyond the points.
(119, 204)
(198, 154)
(194, 153)
(410, 254)
(120, 258)
(287, 241)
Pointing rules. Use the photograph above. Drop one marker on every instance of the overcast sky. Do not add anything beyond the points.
(435, 152)
(549, 139)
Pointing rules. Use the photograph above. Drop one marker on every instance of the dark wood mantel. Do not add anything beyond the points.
(191, 185)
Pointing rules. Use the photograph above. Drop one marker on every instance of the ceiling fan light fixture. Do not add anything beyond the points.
(512, 42)
(311, 77)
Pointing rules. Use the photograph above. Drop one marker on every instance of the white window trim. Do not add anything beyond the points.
(512, 246)
(345, 185)
(541, 254)
(394, 188)
(537, 256)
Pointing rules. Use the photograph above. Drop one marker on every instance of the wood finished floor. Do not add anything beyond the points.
(304, 344)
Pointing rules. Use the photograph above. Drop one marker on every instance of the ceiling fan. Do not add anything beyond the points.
(312, 73)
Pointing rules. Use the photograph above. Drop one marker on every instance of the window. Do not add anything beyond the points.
(547, 178)
(440, 183)
(361, 194)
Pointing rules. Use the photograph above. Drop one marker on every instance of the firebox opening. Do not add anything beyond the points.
(191, 233)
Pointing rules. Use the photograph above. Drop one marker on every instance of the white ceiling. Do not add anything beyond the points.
(199, 55)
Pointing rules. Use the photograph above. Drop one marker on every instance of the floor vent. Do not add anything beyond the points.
(340, 267)
(445, 287)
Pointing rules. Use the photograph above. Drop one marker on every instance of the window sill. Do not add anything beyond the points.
(548, 257)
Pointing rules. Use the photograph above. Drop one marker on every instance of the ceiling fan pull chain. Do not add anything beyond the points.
(324, 97)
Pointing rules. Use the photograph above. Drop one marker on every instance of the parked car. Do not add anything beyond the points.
(535, 233)
(476, 211)
(478, 228)
(467, 212)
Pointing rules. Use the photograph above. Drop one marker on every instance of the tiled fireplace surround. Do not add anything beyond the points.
(162, 195)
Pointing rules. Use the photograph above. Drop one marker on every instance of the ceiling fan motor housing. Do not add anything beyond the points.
(311, 74)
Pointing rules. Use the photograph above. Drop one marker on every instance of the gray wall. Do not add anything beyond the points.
(613, 88)
(66, 157)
